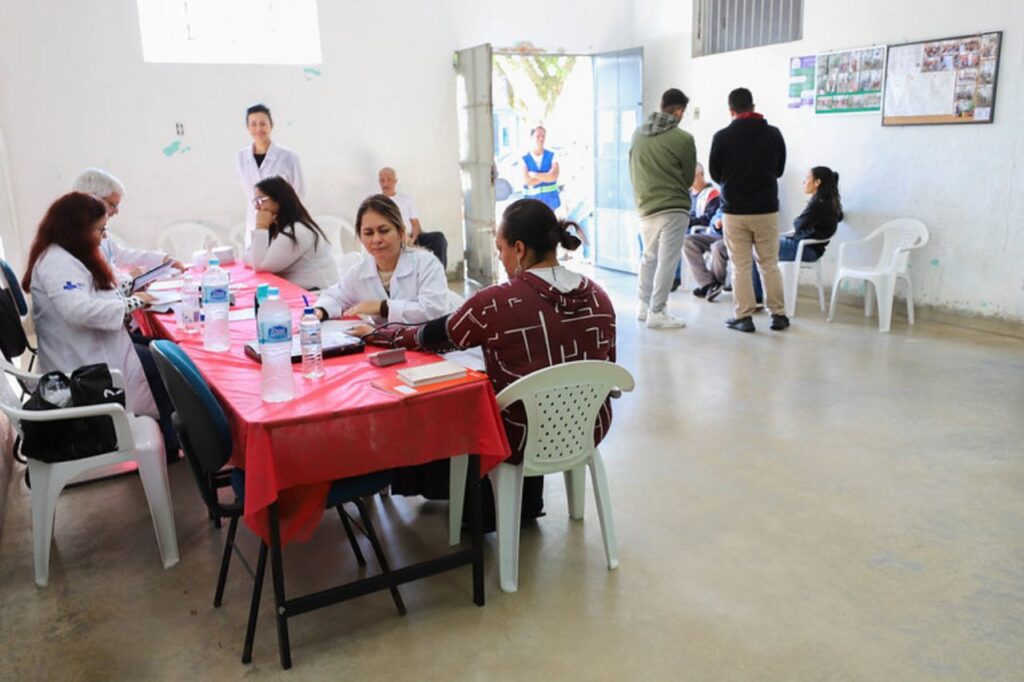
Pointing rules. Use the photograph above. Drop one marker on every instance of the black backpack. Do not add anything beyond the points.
(67, 439)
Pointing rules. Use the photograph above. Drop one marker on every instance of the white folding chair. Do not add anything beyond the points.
(899, 238)
(181, 240)
(790, 271)
(340, 233)
(138, 440)
(562, 404)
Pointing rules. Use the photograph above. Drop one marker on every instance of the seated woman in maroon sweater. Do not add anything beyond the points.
(544, 315)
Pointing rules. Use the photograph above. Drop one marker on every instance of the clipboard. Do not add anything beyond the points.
(152, 275)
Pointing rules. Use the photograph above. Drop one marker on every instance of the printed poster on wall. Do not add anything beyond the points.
(952, 80)
(801, 82)
(850, 81)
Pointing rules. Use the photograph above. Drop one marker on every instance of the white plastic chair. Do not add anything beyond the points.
(562, 403)
(790, 271)
(899, 238)
(181, 240)
(138, 440)
(236, 237)
(340, 233)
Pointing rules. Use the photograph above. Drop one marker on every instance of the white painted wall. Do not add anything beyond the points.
(965, 183)
(75, 92)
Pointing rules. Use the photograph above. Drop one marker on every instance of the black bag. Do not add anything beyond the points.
(67, 439)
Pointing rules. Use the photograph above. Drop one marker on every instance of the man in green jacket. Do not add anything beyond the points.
(661, 165)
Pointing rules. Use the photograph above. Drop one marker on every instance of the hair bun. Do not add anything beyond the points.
(567, 239)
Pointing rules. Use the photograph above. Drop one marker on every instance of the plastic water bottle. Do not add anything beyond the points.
(190, 305)
(56, 391)
(275, 337)
(216, 300)
(312, 348)
(262, 291)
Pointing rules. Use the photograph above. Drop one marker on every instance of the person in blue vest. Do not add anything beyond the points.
(540, 171)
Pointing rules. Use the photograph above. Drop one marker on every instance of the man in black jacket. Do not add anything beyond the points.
(747, 159)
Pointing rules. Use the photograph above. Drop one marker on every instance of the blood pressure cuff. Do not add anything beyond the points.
(433, 336)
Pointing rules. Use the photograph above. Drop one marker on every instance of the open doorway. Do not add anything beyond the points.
(554, 92)
(589, 106)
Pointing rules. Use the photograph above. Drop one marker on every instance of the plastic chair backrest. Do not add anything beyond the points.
(15, 287)
(904, 233)
(340, 233)
(181, 240)
(236, 237)
(13, 341)
(199, 414)
(562, 404)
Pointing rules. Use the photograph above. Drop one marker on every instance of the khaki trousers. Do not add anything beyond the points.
(758, 233)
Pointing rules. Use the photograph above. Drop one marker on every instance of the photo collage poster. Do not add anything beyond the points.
(942, 81)
(849, 81)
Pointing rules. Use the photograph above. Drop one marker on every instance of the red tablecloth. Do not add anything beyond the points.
(336, 427)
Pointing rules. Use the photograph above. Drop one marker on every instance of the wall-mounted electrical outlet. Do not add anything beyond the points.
(179, 129)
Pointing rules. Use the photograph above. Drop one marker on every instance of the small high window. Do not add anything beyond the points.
(230, 31)
(726, 25)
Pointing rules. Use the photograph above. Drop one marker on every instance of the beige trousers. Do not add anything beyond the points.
(758, 233)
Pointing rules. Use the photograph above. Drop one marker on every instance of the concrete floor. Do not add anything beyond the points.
(827, 503)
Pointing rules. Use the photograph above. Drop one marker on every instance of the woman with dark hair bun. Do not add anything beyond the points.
(287, 240)
(544, 315)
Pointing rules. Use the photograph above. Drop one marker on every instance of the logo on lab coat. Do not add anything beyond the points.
(71, 286)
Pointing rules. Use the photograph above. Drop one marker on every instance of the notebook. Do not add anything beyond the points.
(431, 373)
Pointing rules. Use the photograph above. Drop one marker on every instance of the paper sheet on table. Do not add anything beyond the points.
(162, 299)
(165, 285)
(241, 314)
(471, 358)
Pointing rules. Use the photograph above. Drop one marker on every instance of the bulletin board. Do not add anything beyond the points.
(952, 80)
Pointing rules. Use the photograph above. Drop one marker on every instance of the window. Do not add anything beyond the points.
(726, 25)
(230, 31)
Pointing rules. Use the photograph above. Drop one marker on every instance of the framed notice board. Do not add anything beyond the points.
(952, 80)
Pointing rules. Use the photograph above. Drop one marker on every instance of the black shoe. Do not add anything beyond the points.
(676, 283)
(779, 322)
(700, 292)
(743, 324)
(713, 290)
(727, 287)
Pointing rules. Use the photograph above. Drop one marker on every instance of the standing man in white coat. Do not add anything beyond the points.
(264, 159)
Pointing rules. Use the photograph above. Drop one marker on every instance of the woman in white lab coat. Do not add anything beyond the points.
(264, 159)
(287, 241)
(78, 307)
(398, 283)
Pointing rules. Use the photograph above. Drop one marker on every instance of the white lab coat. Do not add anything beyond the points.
(307, 261)
(419, 289)
(77, 325)
(279, 161)
(126, 258)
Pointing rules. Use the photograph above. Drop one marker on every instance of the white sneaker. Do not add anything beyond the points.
(663, 320)
(641, 313)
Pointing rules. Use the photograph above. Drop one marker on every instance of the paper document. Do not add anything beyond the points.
(159, 272)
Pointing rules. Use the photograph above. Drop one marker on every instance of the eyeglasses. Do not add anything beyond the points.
(258, 201)
(103, 229)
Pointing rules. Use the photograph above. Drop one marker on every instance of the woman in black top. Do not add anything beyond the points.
(819, 220)
(820, 217)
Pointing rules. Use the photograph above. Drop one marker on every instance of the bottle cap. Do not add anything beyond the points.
(262, 291)
(308, 310)
(273, 291)
(213, 261)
